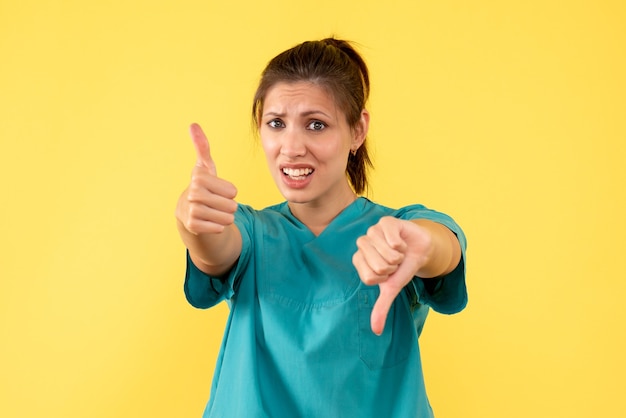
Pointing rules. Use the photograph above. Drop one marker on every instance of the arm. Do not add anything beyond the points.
(205, 214)
(445, 251)
(212, 253)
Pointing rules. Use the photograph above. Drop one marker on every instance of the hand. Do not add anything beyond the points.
(207, 205)
(390, 255)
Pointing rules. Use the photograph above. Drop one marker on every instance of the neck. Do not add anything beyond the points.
(317, 216)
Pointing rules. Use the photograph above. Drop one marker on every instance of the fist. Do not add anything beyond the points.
(389, 255)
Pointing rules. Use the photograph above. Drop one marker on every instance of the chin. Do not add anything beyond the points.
(296, 196)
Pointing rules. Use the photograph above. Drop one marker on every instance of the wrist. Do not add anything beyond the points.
(443, 251)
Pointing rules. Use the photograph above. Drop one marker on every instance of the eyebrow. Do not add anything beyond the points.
(303, 114)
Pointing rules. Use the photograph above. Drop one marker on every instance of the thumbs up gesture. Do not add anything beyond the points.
(207, 206)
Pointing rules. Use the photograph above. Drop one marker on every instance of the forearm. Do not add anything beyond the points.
(444, 253)
(214, 254)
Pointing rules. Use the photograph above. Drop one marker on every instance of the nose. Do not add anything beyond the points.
(293, 144)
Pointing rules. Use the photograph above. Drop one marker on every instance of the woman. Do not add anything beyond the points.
(328, 291)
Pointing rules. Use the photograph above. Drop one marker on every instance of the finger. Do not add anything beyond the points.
(203, 150)
(391, 230)
(377, 241)
(366, 274)
(389, 290)
(201, 214)
(197, 227)
(202, 196)
(372, 259)
(385, 238)
(203, 182)
(381, 308)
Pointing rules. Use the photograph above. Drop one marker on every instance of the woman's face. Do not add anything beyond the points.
(306, 140)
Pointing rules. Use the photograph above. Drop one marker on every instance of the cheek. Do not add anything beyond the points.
(269, 147)
(340, 147)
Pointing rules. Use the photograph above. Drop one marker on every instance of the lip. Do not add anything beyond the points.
(296, 183)
(295, 166)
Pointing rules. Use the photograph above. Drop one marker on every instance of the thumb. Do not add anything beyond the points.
(381, 307)
(203, 150)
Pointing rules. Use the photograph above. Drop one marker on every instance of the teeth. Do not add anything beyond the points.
(297, 172)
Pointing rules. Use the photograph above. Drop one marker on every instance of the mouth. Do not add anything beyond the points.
(297, 173)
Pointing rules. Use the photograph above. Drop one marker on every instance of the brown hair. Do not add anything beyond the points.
(334, 65)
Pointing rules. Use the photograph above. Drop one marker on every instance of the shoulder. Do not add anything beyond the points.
(406, 212)
(269, 218)
(248, 211)
(415, 211)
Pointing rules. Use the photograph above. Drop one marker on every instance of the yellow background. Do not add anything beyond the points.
(507, 115)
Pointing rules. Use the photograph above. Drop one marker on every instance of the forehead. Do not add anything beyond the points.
(298, 94)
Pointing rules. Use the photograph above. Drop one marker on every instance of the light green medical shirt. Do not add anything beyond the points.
(298, 341)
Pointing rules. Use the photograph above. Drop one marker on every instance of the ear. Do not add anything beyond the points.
(361, 129)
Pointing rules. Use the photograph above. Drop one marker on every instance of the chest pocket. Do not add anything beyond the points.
(394, 345)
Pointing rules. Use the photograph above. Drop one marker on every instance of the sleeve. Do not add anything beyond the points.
(204, 291)
(447, 294)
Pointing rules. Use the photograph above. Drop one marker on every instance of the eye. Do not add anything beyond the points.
(316, 125)
(276, 123)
